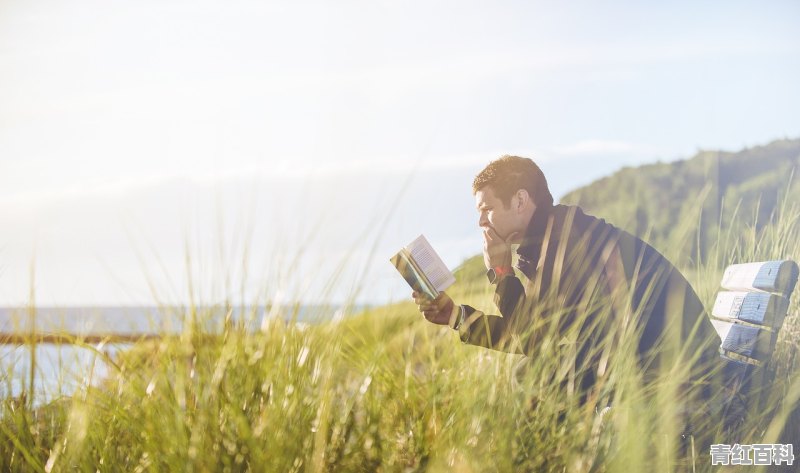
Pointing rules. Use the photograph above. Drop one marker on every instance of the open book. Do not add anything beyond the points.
(422, 268)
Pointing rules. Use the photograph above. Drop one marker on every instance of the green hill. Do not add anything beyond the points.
(681, 205)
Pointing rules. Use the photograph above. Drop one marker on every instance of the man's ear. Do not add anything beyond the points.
(522, 197)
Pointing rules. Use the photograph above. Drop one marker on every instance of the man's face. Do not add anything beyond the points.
(505, 220)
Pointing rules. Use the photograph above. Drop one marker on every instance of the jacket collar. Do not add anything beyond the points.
(531, 244)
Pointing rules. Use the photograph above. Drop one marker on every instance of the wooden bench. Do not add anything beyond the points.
(748, 313)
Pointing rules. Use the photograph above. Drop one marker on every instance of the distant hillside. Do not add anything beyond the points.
(680, 205)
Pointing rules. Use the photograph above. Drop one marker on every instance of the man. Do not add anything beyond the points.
(581, 279)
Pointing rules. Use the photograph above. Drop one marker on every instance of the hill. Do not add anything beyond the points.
(682, 205)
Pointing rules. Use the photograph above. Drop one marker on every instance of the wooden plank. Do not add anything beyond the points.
(759, 308)
(768, 276)
(745, 340)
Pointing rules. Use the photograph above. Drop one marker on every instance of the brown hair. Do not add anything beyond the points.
(508, 174)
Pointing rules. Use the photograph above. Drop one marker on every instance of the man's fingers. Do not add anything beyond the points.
(432, 305)
(440, 301)
(489, 241)
(419, 297)
(431, 308)
(491, 234)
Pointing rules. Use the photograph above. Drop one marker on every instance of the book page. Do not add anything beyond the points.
(431, 264)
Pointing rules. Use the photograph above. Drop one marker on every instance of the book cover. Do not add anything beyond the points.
(422, 268)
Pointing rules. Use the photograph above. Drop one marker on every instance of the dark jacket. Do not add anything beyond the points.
(598, 286)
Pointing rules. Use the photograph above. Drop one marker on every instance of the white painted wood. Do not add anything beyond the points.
(753, 307)
(767, 276)
(745, 340)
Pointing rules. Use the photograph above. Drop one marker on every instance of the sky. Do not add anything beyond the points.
(161, 151)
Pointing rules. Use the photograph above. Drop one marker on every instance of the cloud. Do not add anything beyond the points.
(603, 147)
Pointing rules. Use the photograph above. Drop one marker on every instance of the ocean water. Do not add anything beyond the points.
(62, 369)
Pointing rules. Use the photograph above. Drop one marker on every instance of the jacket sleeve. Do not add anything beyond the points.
(496, 331)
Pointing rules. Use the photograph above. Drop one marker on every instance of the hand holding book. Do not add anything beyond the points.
(442, 310)
(426, 273)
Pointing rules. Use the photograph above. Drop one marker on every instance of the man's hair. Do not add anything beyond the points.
(508, 174)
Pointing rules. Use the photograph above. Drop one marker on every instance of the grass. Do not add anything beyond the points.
(382, 390)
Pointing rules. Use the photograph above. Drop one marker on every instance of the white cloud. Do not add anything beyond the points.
(604, 147)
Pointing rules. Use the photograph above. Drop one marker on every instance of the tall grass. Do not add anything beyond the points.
(383, 390)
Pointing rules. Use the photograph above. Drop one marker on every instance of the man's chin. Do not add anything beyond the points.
(515, 238)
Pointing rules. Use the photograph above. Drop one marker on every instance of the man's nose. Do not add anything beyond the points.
(483, 221)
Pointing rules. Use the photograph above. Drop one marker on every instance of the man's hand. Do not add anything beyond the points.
(441, 310)
(496, 250)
